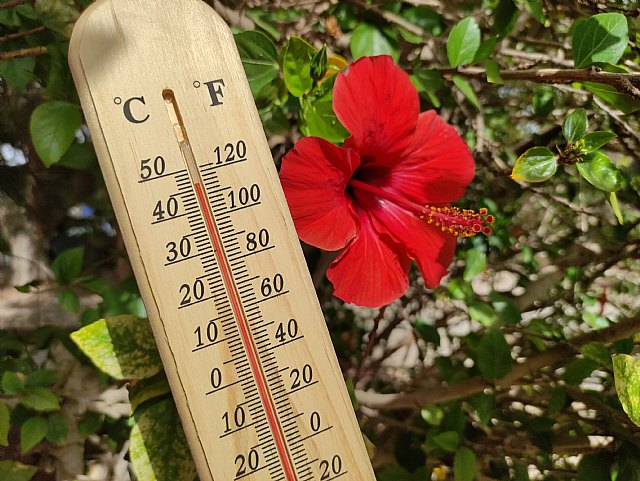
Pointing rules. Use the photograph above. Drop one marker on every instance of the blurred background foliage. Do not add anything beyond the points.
(508, 371)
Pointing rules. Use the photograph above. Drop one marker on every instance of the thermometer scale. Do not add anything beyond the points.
(212, 244)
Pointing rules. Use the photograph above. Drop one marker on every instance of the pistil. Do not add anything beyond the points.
(455, 221)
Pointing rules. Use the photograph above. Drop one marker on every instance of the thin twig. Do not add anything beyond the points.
(628, 83)
(25, 33)
(11, 4)
(23, 52)
(370, 343)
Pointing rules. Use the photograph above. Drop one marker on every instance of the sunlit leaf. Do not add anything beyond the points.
(32, 431)
(368, 40)
(296, 66)
(53, 129)
(158, 449)
(259, 59)
(627, 378)
(463, 42)
(122, 346)
(597, 169)
(464, 464)
(536, 165)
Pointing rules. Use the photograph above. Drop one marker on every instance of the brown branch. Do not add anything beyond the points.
(628, 83)
(371, 342)
(392, 18)
(23, 52)
(549, 358)
(25, 33)
(11, 4)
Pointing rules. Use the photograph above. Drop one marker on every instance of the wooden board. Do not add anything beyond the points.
(212, 244)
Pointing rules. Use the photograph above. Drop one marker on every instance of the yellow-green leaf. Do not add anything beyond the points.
(536, 165)
(121, 346)
(15, 471)
(158, 449)
(598, 170)
(627, 377)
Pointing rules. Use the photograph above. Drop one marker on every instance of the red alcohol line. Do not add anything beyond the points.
(241, 318)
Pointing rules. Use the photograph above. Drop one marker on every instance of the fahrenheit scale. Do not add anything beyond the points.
(241, 335)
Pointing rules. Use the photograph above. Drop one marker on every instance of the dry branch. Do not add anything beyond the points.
(549, 358)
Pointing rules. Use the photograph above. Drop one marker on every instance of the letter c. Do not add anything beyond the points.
(127, 110)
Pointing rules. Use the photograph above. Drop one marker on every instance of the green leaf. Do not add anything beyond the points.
(601, 38)
(15, 471)
(465, 88)
(296, 66)
(69, 300)
(494, 355)
(505, 16)
(428, 81)
(79, 157)
(58, 428)
(259, 59)
(42, 378)
(594, 140)
(475, 262)
(626, 371)
(448, 440)
(5, 426)
(368, 40)
(557, 401)
(536, 165)
(425, 18)
(147, 389)
(505, 308)
(158, 449)
(319, 63)
(534, 7)
(575, 125)
(483, 313)
(521, 472)
(32, 431)
(597, 169)
(609, 94)
(90, 423)
(597, 352)
(68, 265)
(613, 200)
(432, 414)
(121, 346)
(464, 464)
(41, 399)
(18, 72)
(317, 118)
(12, 382)
(578, 369)
(53, 129)
(486, 49)
(463, 42)
(594, 467)
(493, 72)
(427, 331)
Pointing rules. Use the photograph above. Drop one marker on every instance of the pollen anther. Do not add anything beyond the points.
(459, 222)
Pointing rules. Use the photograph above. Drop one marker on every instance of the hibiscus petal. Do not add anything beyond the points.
(376, 101)
(372, 271)
(436, 166)
(314, 176)
(428, 245)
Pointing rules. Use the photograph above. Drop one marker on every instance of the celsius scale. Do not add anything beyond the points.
(213, 247)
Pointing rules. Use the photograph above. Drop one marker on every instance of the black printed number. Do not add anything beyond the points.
(191, 292)
(330, 468)
(179, 249)
(216, 378)
(229, 152)
(166, 209)
(301, 376)
(289, 332)
(234, 421)
(250, 461)
(208, 335)
(259, 239)
(314, 421)
(244, 196)
(270, 286)
(149, 168)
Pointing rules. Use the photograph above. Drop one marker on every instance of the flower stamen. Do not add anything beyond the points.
(459, 222)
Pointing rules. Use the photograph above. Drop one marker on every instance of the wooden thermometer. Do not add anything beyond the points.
(212, 244)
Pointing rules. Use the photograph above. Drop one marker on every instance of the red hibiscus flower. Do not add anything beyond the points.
(383, 196)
